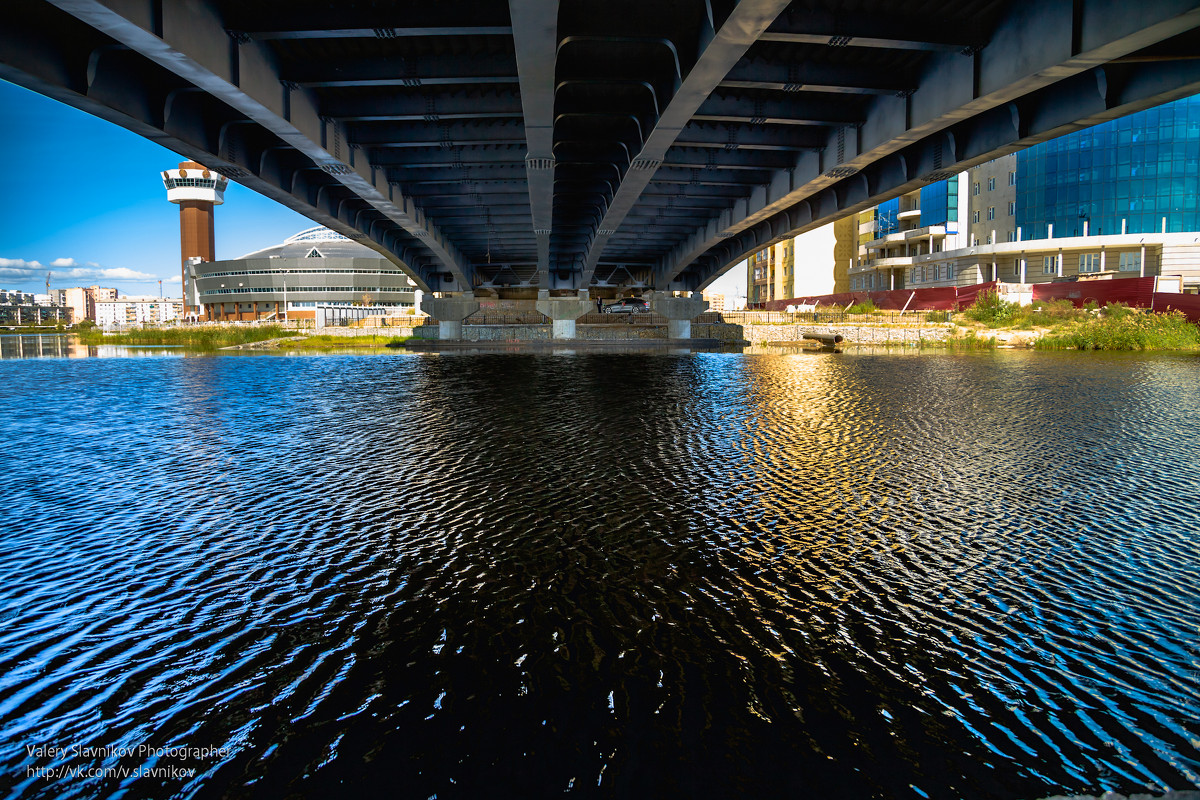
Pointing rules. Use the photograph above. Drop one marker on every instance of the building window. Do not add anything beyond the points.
(1012, 207)
(1012, 178)
(1131, 262)
(991, 183)
(949, 272)
(1012, 236)
(913, 277)
(991, 212)
(975, 188)
(1017, 268)
(1049, 265)
(989, 238)
(975, 214)
(1089, 262)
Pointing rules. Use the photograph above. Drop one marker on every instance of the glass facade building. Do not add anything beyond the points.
(1138, 170)
(939, 203)
(938, 206)
(887, 217)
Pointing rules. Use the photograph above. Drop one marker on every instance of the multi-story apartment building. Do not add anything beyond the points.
(138, 311)
(770, 273)
(82, 300)
(992, 202)
(1118, 199)
(891, 236)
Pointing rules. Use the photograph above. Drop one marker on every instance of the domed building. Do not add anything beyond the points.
(289, 280)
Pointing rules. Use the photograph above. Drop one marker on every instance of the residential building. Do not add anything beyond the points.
(770, 273)
(1115, 200)
(716, 301)
(82, 300)
(138, 311)
(920, 223)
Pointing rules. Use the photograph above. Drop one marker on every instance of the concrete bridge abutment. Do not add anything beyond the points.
(679, 312)
(563, 312)
(450, 313)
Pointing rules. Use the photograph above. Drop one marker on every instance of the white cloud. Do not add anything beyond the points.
(19, 263)
(68, 270)
(107, 273)
(173, 279)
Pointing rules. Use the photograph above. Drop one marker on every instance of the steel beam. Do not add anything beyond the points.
(427, 69)
(379, 33)
(799, 76)
(535, 37)
(723, 49)
(416, 105)
(895, 32)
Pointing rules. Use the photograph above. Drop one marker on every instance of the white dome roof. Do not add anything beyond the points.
(317, 234)
(315, 242)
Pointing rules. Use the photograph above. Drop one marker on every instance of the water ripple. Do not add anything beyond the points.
(614, 575)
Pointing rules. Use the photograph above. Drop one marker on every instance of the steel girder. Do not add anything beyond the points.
(720, 48)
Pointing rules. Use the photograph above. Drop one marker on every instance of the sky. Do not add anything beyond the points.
(84, 201)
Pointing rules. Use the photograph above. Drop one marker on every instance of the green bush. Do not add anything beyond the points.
(1126, 329)
(991, 310)
(865, 307)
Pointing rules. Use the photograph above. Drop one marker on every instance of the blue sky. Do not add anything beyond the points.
(83, 200)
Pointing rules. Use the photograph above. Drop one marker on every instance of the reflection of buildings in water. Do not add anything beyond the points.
(37, 346)
(66, 346)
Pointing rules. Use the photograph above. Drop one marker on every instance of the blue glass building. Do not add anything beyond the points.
(1141, 169)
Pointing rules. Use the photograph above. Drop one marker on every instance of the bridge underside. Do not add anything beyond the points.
(561, 146)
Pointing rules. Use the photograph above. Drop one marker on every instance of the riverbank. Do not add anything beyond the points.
(990, 324)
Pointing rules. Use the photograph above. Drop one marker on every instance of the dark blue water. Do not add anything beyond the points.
(607, 575)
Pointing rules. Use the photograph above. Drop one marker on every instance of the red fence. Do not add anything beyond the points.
(1136, 292)
(1130, 291)
(1189, 304)
(939, 298)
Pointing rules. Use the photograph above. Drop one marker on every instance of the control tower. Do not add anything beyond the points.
(196, 189)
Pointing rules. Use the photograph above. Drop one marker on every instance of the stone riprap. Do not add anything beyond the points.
(723, 331)
(854, 334)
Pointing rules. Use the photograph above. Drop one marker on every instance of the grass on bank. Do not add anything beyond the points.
(327, 342)
(196, 338)
(1112, 327)
(1120, 328)
(210, 338)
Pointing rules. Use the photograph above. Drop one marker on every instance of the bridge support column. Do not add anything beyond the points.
(450, 313)
(679, 311)
(563, 311)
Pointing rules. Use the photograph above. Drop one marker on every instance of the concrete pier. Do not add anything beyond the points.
(678, 311)
(563, 311)
(450, 313)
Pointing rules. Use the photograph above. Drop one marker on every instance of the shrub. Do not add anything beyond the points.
(991, 310)
(865, 307)
(1126, 329)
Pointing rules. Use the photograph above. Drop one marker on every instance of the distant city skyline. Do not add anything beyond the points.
(86, 203)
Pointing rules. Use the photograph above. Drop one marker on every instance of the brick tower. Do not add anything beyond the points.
(196, 190)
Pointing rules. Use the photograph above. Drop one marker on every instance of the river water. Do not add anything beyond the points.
(608, 575)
